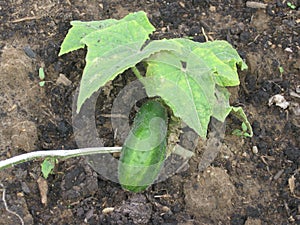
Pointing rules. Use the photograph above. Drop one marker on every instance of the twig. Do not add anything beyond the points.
(25, 19)
(114, 116)
(6, 207)
(256, 5)
(63, 154)
(204, 34)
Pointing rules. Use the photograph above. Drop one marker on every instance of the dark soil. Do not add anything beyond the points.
(242, 185)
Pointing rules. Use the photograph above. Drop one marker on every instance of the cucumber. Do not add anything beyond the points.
(144, 150)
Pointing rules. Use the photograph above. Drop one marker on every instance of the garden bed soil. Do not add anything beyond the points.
(251, 181)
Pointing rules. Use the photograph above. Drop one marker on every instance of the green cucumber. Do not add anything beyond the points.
(144, 150)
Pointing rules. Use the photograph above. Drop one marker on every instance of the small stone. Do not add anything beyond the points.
(25, 188)
(108, 210)
(255, 149)
(251, 221)
(288, 50)
(29, 52)
(165, 209)
(212, 8)
(182, 4)
(298, 89)
(279, 100)
(43, 187)
(62, 79)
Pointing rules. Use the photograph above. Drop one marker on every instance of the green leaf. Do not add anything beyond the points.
(225, 52)
(247, 134)
(188, 80)
(292, 6)
(47, 166)
(79, 30)
(242, 132)
(221, 107)
(112, 50)
(281, 70)
(228, 55)
(115, 53)
(191, 77)
(180, 89)
(244, 127)
(240, 114)
(226, 72)
(42, 83)
(41, 73)
(237, 132)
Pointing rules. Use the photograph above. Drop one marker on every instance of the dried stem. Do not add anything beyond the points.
(6, 206)
(62, 154)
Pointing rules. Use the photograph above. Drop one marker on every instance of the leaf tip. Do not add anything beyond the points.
(243, 65)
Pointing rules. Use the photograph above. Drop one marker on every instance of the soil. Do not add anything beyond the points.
(251, 181)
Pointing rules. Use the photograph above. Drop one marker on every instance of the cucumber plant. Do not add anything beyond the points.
(188, 78)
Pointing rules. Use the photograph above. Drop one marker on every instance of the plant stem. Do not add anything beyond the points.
(62, 154)
(136, 72)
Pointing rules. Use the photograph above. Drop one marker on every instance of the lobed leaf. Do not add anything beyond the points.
(239, 113)
(191, 77)
(226, 72)
(79, 30)
(47, 167)
(109, 53)
(191, 82)
(112, 54)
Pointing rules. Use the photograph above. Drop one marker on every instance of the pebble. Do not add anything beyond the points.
(288, 50)
(28, 51)
(62, 79)
(255, 149)
(256, 5)
(108, 210)
(298, 89)
(212, 8)
(25, 188)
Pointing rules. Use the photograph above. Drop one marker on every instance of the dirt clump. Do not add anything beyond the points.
(211, 196)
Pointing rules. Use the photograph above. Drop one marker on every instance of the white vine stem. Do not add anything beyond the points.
(62, 154)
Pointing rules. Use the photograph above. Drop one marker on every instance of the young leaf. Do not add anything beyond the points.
(47, 166)
(42, 83)
(221, 107)
(226, 73)
(240, 114)
(187, 81)
(79, 30)
(115, 53)
(41, 73)
(237, 132)
(244, 127)
(180, 87)
(228, 55)
(42, 77)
